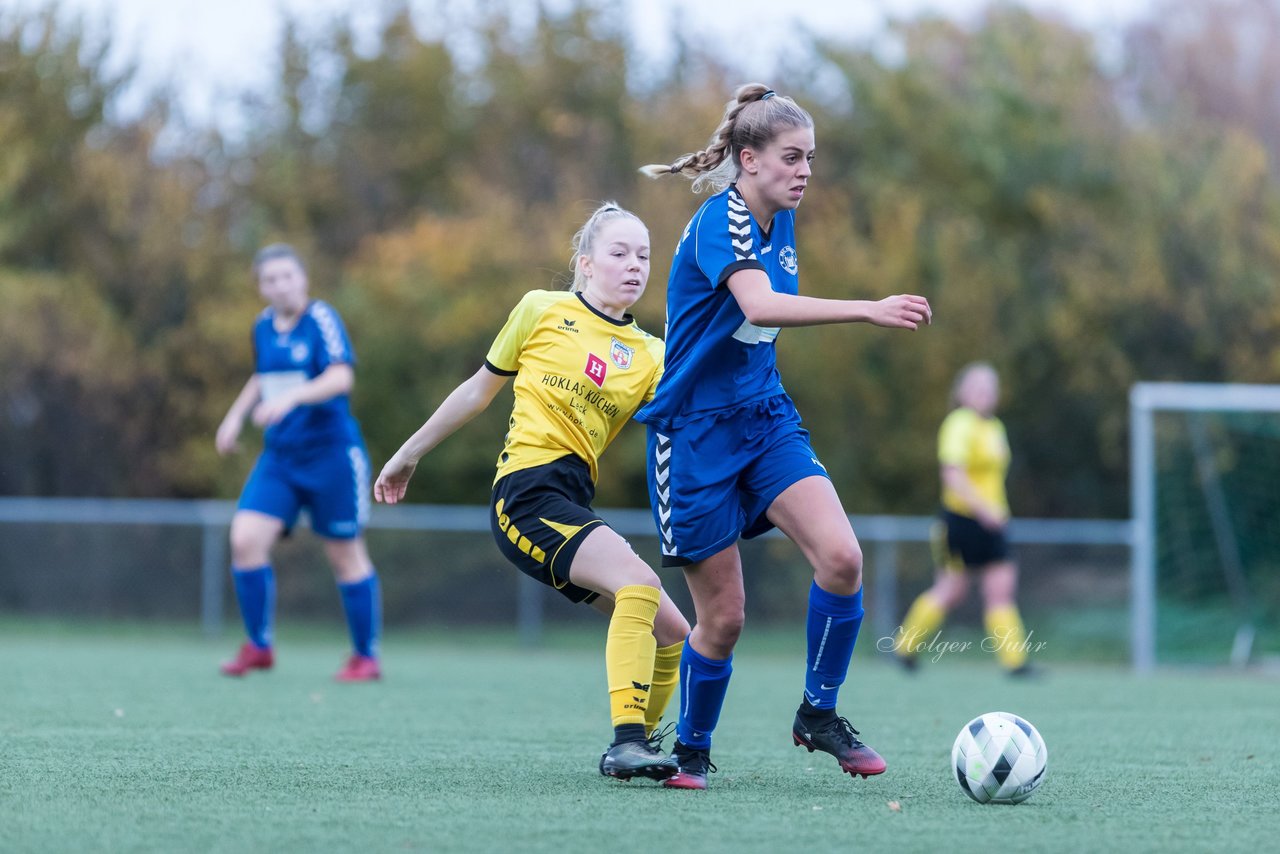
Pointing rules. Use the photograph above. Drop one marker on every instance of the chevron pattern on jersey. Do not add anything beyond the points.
(662, 484)
(740, 228)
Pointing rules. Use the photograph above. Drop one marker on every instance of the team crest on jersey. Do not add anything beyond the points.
(299, 351)
(787, 258)
(595, 369)
(620, 354)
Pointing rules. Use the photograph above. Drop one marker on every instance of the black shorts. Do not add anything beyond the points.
(960, 542)
(540, 516)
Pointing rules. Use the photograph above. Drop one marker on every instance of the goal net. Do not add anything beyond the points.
(1206, 515)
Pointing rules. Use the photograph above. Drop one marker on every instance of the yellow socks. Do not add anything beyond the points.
(666, 678)
(629, 652)
(1004, 625)
(923, 620)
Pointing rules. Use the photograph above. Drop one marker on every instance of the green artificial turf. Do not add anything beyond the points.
(128, 740)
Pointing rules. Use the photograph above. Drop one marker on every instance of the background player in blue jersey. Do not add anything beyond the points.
(313, 457)
(727, 455)
(582, 367)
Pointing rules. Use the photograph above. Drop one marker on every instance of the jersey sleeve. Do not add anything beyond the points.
(504, 354)
(257, 351)
(723, 243)
(954, 437)
(657, 350)
(335, 346)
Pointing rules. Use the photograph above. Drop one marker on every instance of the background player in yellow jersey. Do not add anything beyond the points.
(582, 368)
(973, 452)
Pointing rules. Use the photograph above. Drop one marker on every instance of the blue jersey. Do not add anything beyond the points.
(715, 358)
(285, 360)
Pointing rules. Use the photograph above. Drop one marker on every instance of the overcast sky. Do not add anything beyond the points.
(215, 49)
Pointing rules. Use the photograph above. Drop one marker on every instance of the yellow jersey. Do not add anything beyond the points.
(580, 376)
(980, 447)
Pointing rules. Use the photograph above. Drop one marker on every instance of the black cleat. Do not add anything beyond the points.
(637, 759)
(1026, 671)
(908, 663)
(659, 735)
(838, 737)
(694, 765)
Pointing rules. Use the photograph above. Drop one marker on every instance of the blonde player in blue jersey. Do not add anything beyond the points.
(727, 455)
(582, 367)
(969, 538)
(313, 457)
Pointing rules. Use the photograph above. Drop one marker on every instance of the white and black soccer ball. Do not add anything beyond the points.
(999, 758)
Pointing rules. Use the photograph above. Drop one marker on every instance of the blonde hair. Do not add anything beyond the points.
(752, 118)
(963, 375)
(584, 241)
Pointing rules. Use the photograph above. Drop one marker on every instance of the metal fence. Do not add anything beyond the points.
(886, 539)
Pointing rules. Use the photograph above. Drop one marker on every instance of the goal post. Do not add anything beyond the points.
(1199, 454)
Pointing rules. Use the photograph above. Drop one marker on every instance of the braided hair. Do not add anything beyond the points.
(752, 118)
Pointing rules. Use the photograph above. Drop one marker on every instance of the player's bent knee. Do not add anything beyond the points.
(250, 548)
(639, 572)
(840, 569)
(724, 629)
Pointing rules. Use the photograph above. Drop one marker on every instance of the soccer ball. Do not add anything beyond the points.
(999, 759)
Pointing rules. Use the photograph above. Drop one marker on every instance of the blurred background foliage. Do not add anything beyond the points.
(1083, 224)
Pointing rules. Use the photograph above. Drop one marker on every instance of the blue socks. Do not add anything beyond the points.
(256, 592)
(832, 628)
(362, 601)
(703, 682)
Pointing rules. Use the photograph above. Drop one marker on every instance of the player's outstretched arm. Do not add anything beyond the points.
(228, 434)
(901, 311)
(763, 306)
(463, 403)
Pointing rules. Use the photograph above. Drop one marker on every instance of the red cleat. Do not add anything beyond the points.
(359, 668)
(694, 764)
(248, 658)
(838, 737)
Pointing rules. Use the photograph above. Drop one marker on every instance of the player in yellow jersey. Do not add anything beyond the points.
(973, 452)
(582, 368)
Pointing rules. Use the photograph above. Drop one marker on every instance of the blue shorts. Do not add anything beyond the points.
(331, 482)
(712, 480)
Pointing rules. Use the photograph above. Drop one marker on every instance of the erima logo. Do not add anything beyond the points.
(568, 326)
(639, 686)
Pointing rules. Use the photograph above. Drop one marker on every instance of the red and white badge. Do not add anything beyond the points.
(620, 354)
(595, 369)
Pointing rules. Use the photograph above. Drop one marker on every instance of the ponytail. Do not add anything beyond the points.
(752, 118)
